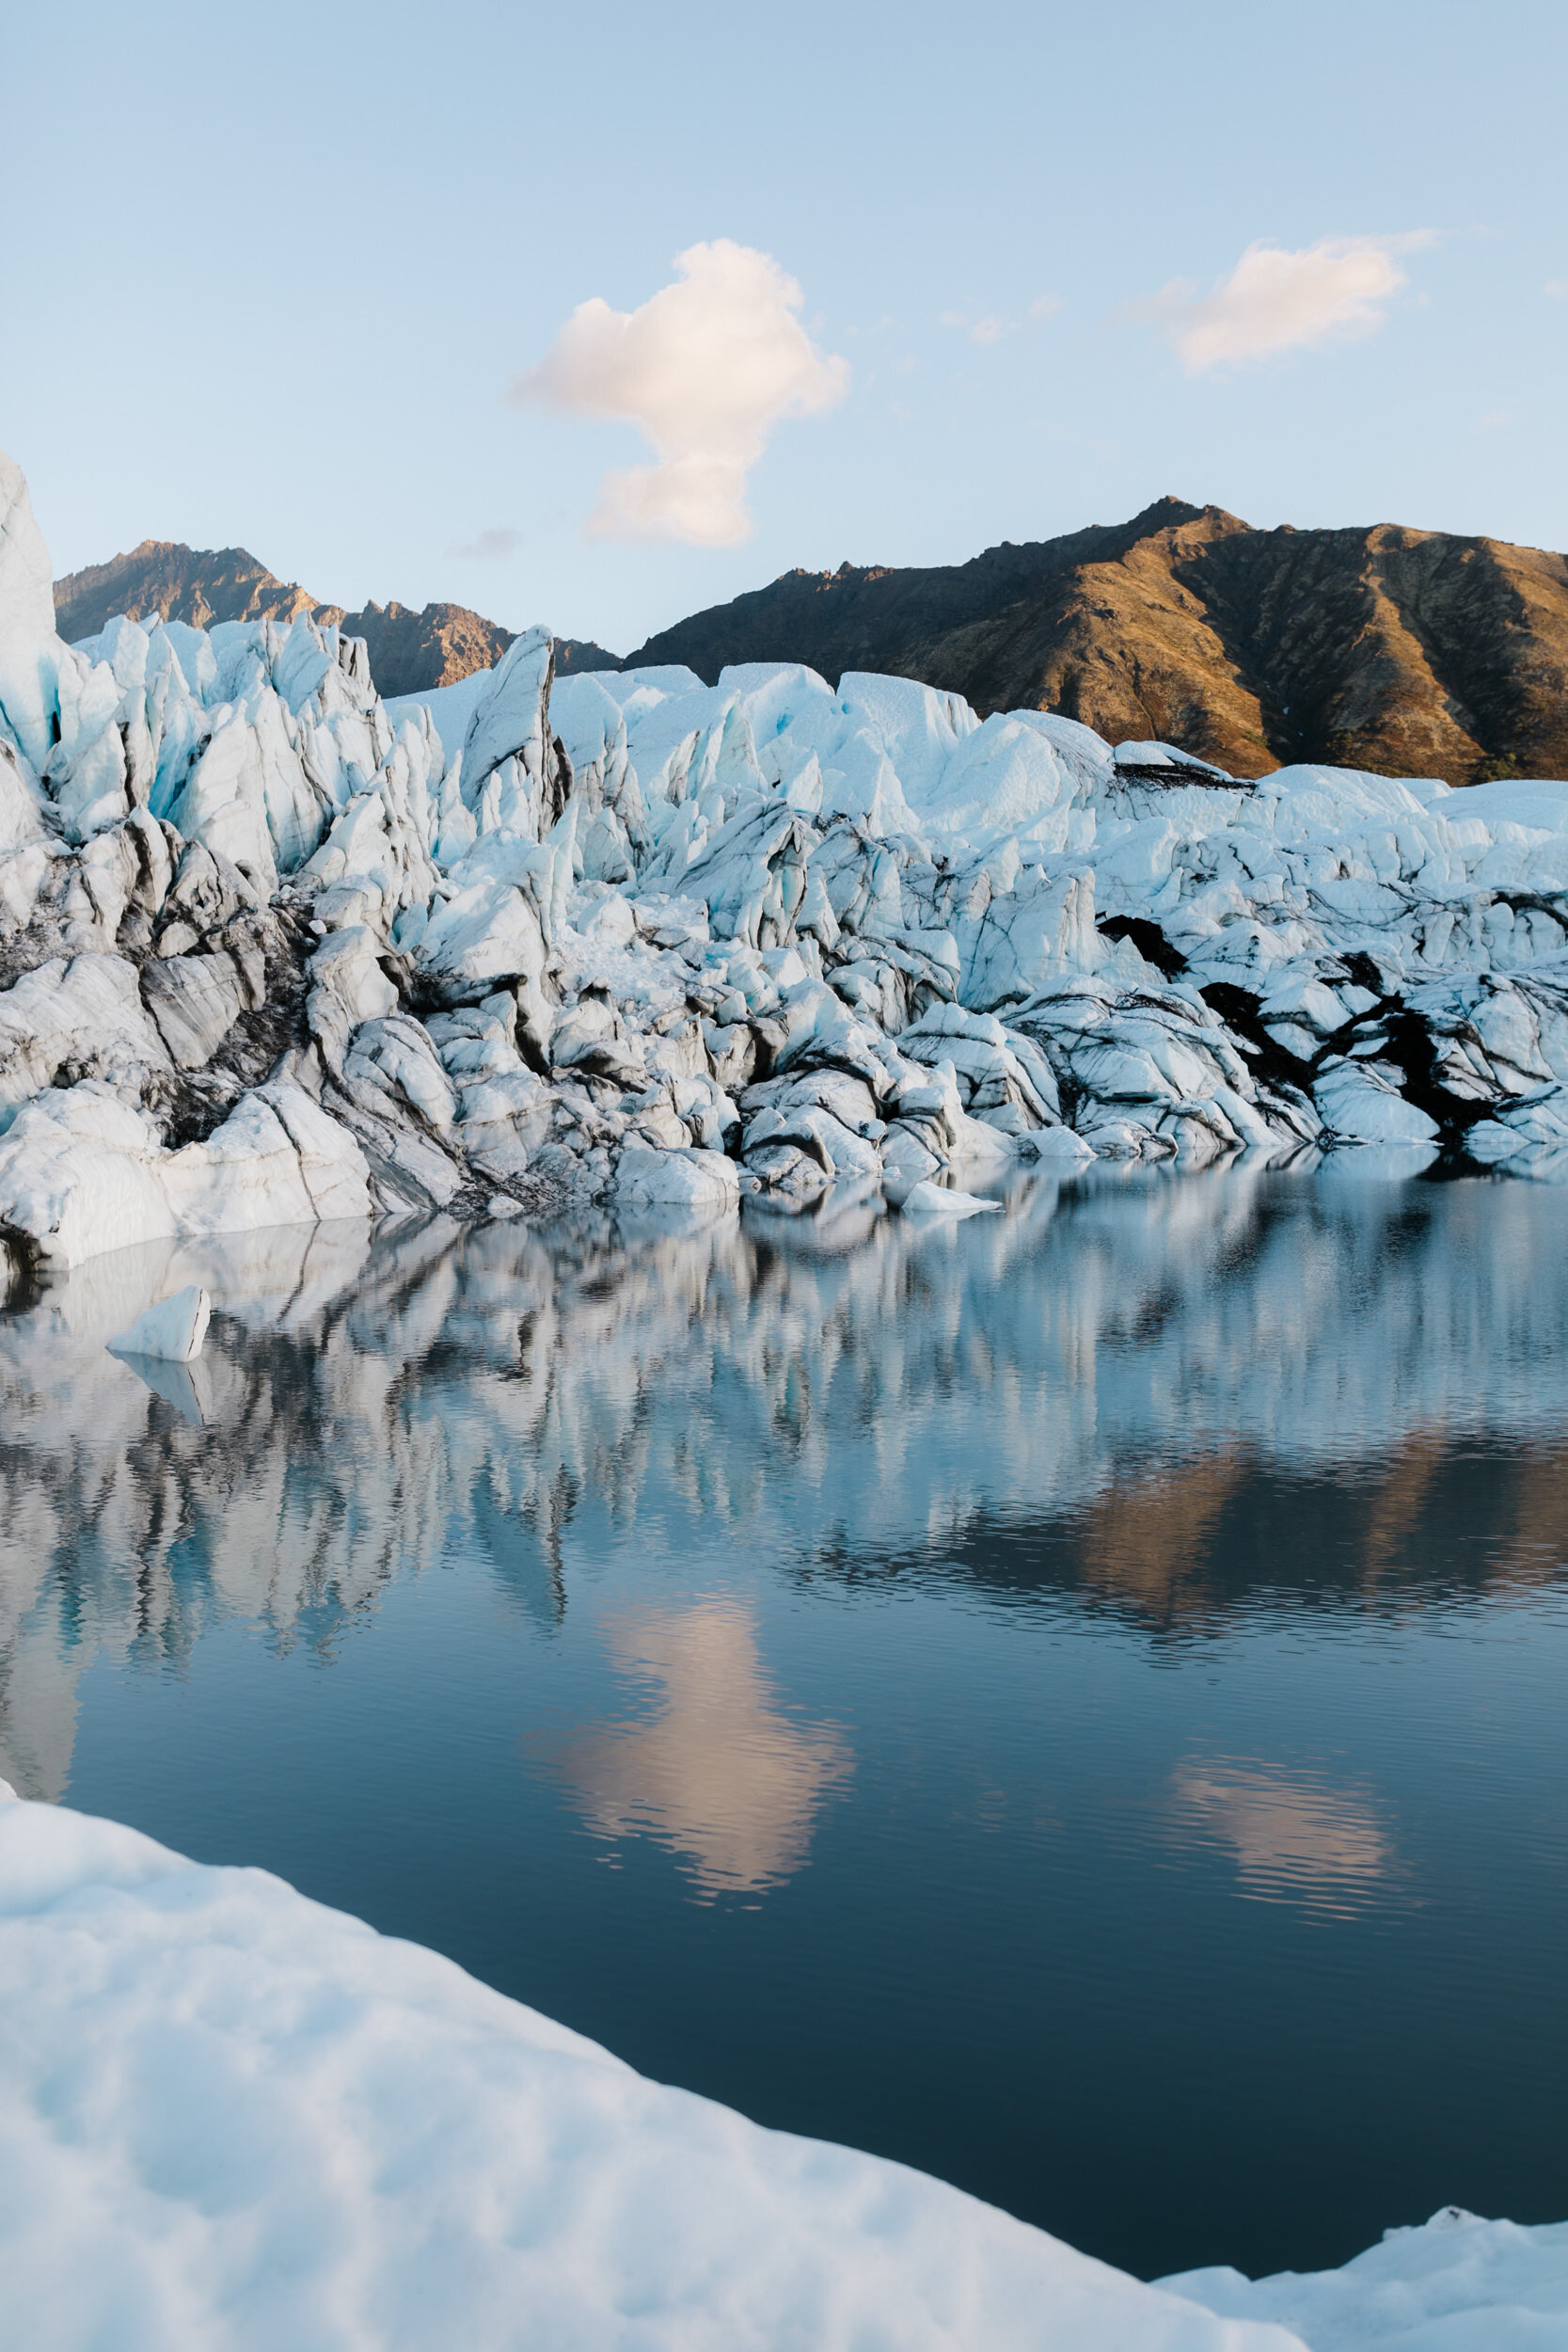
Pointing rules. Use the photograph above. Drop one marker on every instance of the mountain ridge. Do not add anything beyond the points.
(1409, 651)
(1386, 647)
(410, 652)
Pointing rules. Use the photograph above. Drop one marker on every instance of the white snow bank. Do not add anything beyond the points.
(1458, 2284)
(173, 1329)
(231, 2121)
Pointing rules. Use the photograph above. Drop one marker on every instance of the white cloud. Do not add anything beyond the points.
(1277, 300)
(1557, 289)
(488, 546)
(993, 328)
(705, 370)
(1045, 306)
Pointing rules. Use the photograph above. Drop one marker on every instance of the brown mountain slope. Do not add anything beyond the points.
(177, 583)
(1415, 652)
(410, 652)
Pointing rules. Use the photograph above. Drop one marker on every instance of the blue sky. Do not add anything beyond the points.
(270, 278)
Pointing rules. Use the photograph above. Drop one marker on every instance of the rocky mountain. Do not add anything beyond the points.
(1406, 652)
(409, 652)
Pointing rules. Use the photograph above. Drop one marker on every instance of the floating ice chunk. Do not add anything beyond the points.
(932, 1200)
(174, 1328)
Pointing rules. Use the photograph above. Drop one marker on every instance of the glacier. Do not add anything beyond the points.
(230, 2116)
(273, 950)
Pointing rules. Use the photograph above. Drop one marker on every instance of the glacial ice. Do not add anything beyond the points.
(272, 948)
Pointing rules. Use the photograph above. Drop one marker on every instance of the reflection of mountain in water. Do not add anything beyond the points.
(1122, 1390)
(1187, 1544)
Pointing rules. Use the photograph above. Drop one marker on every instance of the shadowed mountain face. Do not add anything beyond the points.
(410, 652)
(1408, 651)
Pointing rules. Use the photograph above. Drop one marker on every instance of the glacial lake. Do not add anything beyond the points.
(1074, 1700)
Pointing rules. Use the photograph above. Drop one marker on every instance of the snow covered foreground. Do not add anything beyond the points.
(274, 951)
(231, 2119)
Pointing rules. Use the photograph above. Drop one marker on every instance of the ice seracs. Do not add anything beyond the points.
(517, 938)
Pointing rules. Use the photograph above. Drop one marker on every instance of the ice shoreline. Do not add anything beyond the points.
(235, 2118)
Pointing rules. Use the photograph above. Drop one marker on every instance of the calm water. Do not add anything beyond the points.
(1075, 1702)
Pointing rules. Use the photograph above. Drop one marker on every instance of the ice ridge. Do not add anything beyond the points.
(274, 950)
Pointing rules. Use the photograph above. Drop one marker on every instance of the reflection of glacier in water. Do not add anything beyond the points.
(1070, 1701)
(1078, 1398)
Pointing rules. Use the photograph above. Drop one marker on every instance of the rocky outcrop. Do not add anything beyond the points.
(269, 954)
(1407, 652)
(409, 652)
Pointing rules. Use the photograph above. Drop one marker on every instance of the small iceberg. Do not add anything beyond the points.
(928, 1198)
(172, 1330)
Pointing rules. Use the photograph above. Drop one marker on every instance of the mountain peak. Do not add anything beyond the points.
(1386, 648)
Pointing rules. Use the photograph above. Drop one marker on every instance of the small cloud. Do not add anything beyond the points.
(991, 330)
(1045, 306)
(489, 547)
(1557, 289)
(1277, 300)
(1495, 420)
(704, 369)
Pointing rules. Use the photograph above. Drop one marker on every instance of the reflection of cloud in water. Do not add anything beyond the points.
(716, 1770)
(1294, 1839)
